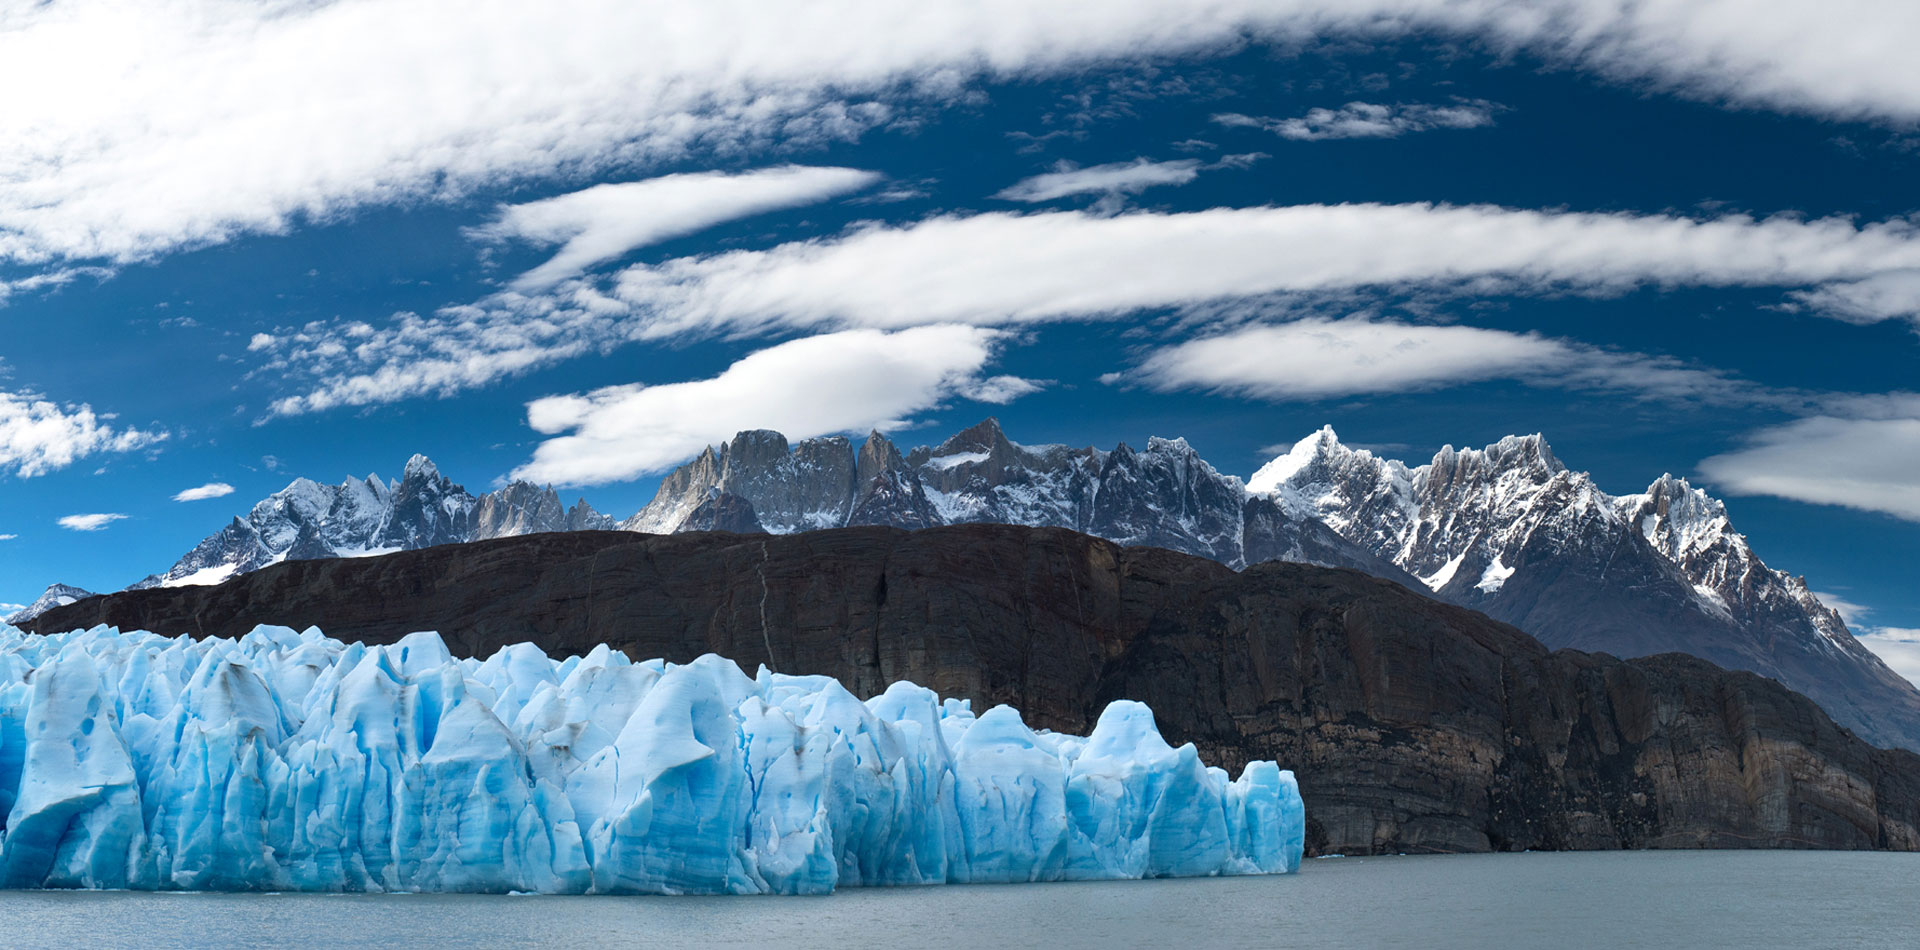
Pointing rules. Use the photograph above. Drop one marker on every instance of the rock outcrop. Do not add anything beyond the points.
(1414, 725)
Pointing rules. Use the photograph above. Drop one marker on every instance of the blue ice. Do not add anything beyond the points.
(285, 760)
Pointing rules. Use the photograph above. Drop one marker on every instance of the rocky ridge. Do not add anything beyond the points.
(1164, 495)
(1415, 726)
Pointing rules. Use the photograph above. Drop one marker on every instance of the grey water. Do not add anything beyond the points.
(1612, 900)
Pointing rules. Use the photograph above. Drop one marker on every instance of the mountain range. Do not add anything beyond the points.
(1507, 530)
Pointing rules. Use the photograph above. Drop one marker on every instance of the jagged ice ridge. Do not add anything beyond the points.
(291, 761)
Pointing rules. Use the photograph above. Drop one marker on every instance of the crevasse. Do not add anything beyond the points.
(290, 761)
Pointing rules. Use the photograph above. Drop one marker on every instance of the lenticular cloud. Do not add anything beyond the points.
(293, 761)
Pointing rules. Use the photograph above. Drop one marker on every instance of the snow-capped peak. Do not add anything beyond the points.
(983, 436)
(56, 595)
(420, 466)
(1525, 451)
(1678, 518)
(1304, 452)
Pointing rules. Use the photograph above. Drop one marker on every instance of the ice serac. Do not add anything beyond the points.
(290, 761)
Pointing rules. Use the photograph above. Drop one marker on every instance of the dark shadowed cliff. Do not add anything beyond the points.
(1413, 725)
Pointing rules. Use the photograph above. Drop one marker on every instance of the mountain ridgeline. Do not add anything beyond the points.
(1507, 530)
(359, 517)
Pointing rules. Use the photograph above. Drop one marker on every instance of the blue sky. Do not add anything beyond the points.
(571, 249)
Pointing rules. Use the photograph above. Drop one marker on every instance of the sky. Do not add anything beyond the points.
(576, 242)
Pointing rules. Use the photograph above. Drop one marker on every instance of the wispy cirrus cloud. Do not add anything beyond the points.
(90, 522)
(1889, 296)
(1319, 359)
(1118, 178)
(1012, 269)
(143, 128)
(204, 492)
(606, 221)
(1009, 269)
(848, 381)
(1859, 452)
(1368, 120)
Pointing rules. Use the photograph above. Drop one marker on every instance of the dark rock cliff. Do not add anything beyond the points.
(1413, 725)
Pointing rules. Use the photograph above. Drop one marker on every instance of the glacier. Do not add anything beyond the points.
(287, 760)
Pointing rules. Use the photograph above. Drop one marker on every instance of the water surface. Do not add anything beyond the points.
(1611, 900)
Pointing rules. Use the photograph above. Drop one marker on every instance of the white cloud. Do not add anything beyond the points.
(92, 522)
(1861, 453)
(204, 492)
(1894, 295)
(46, 280)
(8, 537)
(1319, 358)
(1898, 647)
(1367, 120)
(840, 382)
(1010, 268)
(1118, 178)
(147, 127)
(606, 221)
(1003, 268)
(38, 435)
(142, 127)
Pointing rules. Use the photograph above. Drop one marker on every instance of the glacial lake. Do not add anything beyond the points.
(1610, 900)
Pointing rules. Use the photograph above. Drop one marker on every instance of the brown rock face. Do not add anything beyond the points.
(1413, 725)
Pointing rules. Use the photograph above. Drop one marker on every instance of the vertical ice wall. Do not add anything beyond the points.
(287, 760)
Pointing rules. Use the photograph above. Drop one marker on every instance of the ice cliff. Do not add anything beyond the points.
(290, 761)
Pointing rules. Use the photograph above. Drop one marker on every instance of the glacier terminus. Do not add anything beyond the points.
(291, 761)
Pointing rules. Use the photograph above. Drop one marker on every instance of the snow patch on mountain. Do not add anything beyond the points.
(1494, 577)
